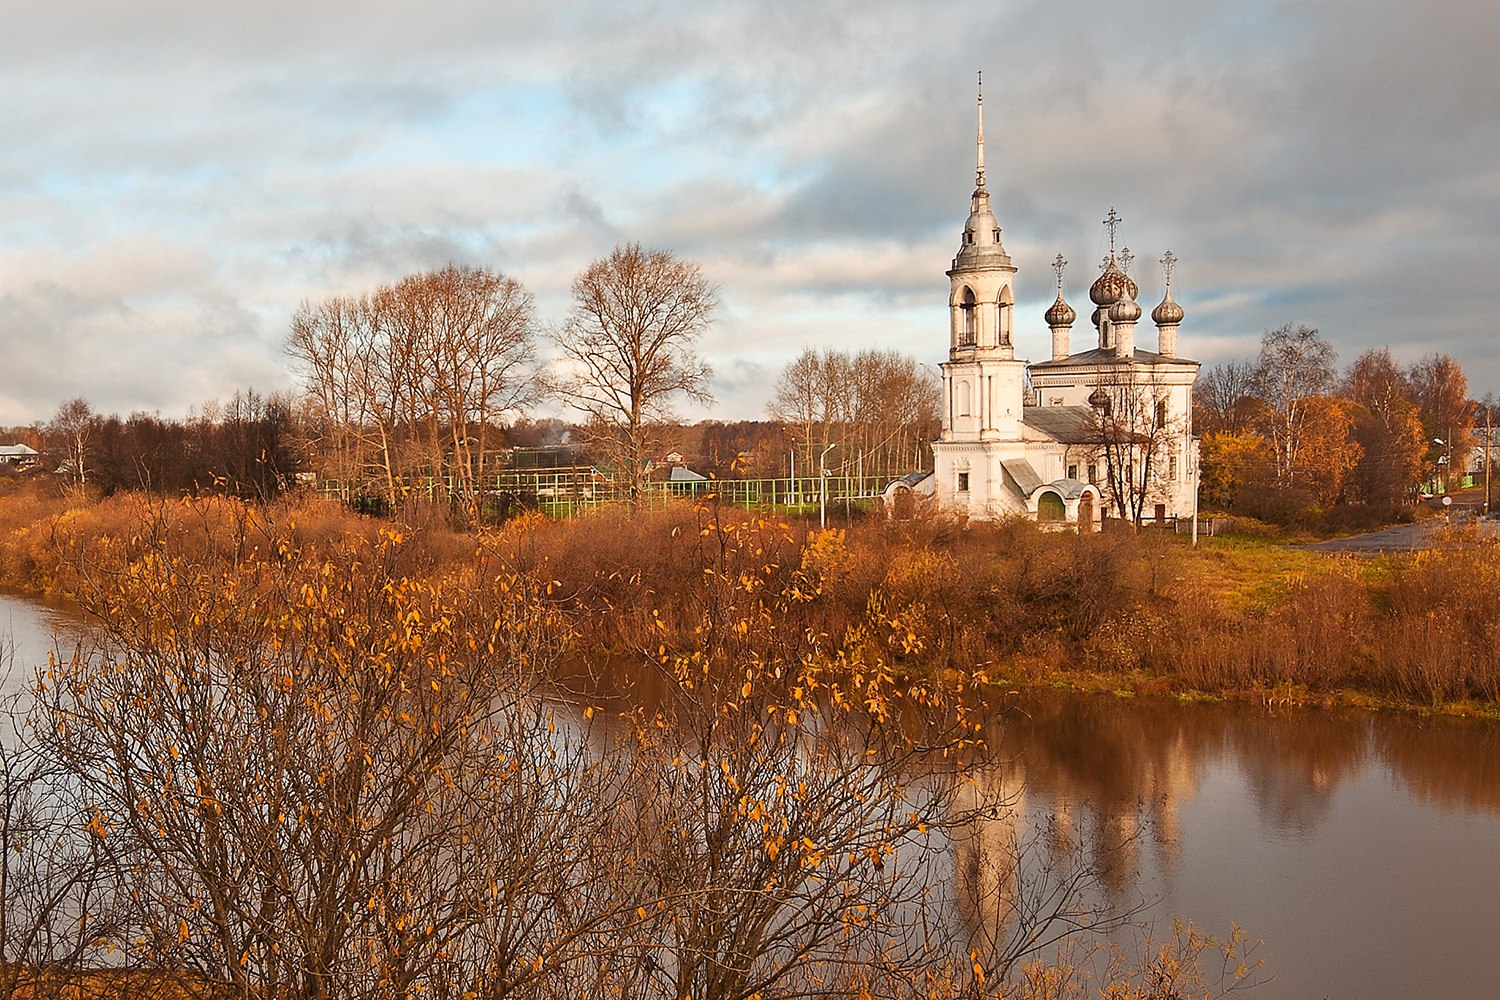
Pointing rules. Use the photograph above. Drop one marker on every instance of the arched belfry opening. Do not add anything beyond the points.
(969, 324)
(1004, 308)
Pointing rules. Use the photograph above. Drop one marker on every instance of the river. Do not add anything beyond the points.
(1361, 848)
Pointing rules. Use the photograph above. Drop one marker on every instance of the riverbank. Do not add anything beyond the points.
(1237, 617)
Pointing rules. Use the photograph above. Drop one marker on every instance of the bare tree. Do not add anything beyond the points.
(629, 345)
(56, 872)
(326, 778)
(1387, 427)
(798, 399)
(782, 843)
(415, 378)
(1134, 438)
(1220, 394)
(334, 341)
(880, 406)
(468, 362)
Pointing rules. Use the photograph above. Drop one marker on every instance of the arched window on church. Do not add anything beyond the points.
(1161, 413)
(971, 319)
(1003, 314)
(964, 399)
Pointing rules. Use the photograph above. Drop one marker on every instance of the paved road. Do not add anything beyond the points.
(1405, 537)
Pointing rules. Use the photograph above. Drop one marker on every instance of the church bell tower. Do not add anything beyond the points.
(982, 380)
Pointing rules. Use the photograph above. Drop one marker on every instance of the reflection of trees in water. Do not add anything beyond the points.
(1104, 782)
(1452, 765)
(1295, 763)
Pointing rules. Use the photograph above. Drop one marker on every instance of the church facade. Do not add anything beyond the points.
(1104, 432)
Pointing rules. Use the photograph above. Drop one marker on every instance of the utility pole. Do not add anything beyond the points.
(1489, 433)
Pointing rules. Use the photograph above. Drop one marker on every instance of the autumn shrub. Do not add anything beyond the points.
(640, 579)
(25, 513)
(1439, 635)
(917, 597)
(287, 750)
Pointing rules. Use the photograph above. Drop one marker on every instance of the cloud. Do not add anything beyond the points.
(179, 176)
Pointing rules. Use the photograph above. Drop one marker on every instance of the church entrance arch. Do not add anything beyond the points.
(904, 504)
(1050, 508)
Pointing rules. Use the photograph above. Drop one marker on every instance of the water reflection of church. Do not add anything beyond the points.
(1058, 440)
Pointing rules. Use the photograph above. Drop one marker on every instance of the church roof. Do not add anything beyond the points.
(1067, 424)
(1071, 489)
(1107, 356)
(1024, 476)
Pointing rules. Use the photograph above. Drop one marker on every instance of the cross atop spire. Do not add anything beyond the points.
(1168, 262)
(1125, 259)
(1059, 263)
(1112, 223)
(979, 170)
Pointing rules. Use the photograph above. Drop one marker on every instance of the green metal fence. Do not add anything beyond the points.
(563, 492)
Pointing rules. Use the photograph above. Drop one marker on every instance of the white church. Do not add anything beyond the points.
(1105, 432)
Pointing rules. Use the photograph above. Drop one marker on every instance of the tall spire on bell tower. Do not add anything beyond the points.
(979, 169)
(982, 377)
(981, 301)
(981, 246)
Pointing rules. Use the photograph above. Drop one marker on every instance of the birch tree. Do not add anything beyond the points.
(1295, 364)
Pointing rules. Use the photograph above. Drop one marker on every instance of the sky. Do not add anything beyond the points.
(176, 177)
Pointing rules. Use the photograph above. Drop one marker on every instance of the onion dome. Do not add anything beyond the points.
(1125, 310)
(1168, 313)
(1060, 313)
(1098, 315)
(1111, 286)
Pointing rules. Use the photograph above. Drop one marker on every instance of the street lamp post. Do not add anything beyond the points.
(1193, 457)
(823, 487)
(1442, 463)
